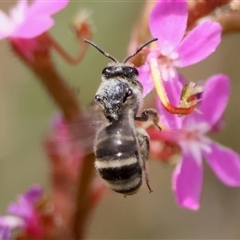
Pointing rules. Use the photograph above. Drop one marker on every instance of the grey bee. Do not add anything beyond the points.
(121, 147)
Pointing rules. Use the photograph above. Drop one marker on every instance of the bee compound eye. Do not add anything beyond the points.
(107, 72)
(97, 98)
(104, 71)
(134, 71)
(129, 93)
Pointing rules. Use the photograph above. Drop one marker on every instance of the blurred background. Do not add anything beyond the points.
(26, 112)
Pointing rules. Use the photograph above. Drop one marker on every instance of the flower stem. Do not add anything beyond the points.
(83, 197)
(38, 59)
(84, 47)
(199, 9)
(229, 21)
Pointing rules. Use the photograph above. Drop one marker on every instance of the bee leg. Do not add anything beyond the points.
(144, 147)
(146, 178)
(149, 114)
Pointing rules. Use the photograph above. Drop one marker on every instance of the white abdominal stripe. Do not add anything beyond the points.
(121, 175)
(129, 186)
(101, 164)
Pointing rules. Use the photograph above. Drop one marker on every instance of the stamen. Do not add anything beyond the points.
(189, 95)
(159, 86)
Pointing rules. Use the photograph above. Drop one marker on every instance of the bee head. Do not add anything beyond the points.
(120, 91)
(116, 96)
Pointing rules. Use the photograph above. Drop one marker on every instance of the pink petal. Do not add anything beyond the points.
(145, 78)
(199, 43)
(33, 27)
(5, 26)
(33, 194)
(19, 11)
(163, 135)
(173, 89)
(214, 100)
(219, 125)
(21, 209)
(187, 182)
(40, 7)
(167, 22)
(7, 224)
(24, 206)
(225, 163)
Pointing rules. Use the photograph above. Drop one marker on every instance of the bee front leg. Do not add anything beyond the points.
(149, 114)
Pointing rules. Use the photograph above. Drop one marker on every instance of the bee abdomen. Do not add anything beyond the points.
(123, 176)
(116, 147)
(126, 187)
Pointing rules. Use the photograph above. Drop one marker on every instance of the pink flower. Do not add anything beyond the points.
(22, 214)
(29, 20)
(7, 224)
(190, 136)
(168, 22)
(24, 207)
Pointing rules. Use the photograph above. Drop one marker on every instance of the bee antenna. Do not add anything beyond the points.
(139, 49)
(101, 51)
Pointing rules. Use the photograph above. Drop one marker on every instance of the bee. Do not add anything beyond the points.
(121, 147)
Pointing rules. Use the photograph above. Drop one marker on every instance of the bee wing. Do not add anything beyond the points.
(82, 131)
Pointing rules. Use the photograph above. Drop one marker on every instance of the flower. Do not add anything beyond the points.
(29, 21)
(190, 136)
(24, 207)
(7, 224)
(168, 23)
(22, 214)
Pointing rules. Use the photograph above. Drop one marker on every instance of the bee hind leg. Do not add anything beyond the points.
(144, 146)
(147, 181)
